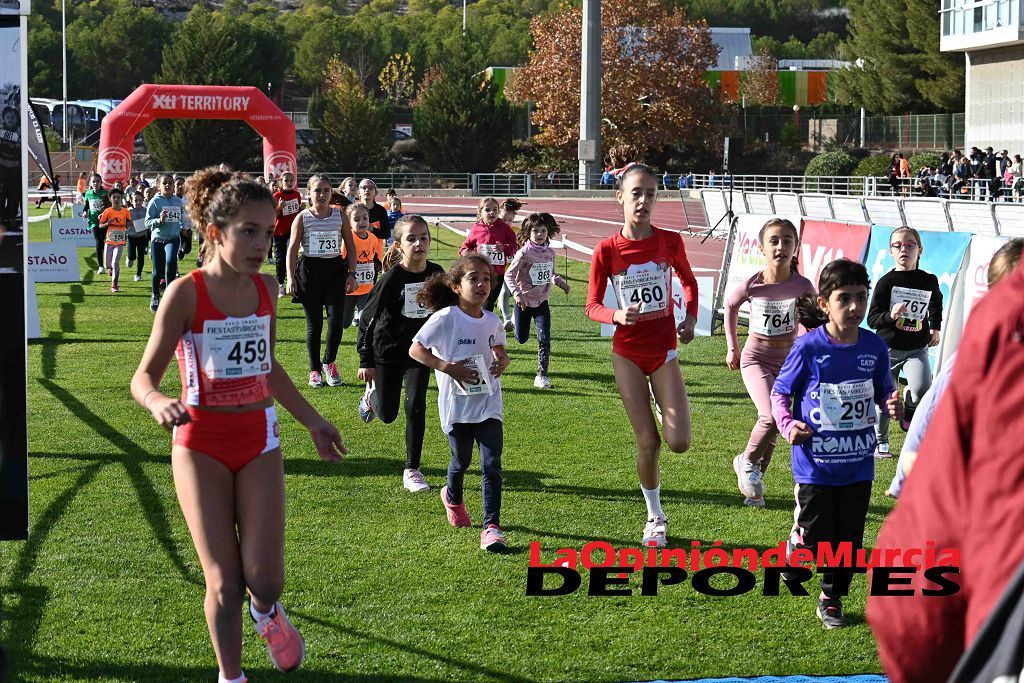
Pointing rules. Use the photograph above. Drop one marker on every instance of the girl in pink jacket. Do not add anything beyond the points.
(529, 278)
(494, 239)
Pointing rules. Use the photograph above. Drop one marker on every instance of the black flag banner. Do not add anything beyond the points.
(37, 148)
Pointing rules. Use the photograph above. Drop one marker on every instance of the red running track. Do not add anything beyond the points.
(585, 221)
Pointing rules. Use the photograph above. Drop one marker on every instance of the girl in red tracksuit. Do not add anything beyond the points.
(493, 238)
(640, 259)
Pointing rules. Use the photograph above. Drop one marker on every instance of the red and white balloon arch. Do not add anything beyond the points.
(150, 102)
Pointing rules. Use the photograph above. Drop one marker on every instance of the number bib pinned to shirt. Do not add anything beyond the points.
(482, 386)
(364, 273)
(173, 214)
(772, 318)
(96, 205)
(647, 284)
(289, 207)
(324, 243)
(495, 253)
(116, 235)
(238, 347)
(847, 407)
(541, 273)
(411, 308)
(917, 307)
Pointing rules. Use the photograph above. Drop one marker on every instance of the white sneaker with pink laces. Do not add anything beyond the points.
(285, 644)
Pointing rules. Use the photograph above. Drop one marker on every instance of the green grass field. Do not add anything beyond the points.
(108, 586)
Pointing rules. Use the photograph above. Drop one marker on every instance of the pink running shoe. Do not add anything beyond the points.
(331, 375)
(285, 645)
(457, 515)
(492, 540)
(114, 288)
(315, 380)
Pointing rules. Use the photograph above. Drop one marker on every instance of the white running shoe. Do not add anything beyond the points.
(882, 450)
(136, 278)
(655, 532)
(366, 413)
(542, 382)
(749, 478)
(281, 292)
(315, 380)
(413, 481)
(331, 374)
(100, 271)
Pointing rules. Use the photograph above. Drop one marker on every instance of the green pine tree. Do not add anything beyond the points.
(352, 127)
(941, 82)
(215, 49)
(459, 122)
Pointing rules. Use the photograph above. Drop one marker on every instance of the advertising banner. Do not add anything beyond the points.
(53, 262)
(72, 230)
(971, 286)
(824, 241)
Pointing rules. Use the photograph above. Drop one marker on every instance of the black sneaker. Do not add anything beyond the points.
(830, 611)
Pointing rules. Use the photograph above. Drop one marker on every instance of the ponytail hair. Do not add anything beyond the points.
(437, 292)
(809, 313)
(536, 220)
(794, 265)
(215, 196)
(394, 253)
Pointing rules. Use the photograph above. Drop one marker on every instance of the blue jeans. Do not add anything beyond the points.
(490, 437)
(542, 314)
(164, 254)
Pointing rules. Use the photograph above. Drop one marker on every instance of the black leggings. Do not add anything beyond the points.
(100, 236)
(315, 328)
(388, 380)
(138, 245)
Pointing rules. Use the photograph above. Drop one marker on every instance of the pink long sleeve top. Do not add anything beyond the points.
(770, 305)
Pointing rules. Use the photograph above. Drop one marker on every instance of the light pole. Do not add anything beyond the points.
(589, 147)
(64, 78)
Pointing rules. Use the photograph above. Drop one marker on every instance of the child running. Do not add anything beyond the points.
(96, 200)
(773, 295)
(387, 325)
(906, 311)
(493, 238)
(529, 278)
(164, 216)
(507, 212)
(226, 456)
(823, 402)
(115, 221)
(320, 278)
(288, 202)
(369, 257)
(465, 345)
(138, 235)
(640, 259)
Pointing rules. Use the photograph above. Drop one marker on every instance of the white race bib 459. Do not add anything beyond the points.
(236, 347)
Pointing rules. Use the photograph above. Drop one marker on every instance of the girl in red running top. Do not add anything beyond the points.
(640, 259)
(226, 457)
(494, 239)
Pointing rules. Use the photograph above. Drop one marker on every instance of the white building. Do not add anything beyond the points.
(991, 34)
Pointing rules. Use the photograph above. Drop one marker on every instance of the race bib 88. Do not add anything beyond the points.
(772, 318)
(324, 243)
(236, 348)
(847, 407)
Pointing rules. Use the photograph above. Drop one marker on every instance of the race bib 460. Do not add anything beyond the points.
(648, 288)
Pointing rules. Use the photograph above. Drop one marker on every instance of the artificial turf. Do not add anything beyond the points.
(108, 586)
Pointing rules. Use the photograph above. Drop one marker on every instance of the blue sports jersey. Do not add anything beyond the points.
(835, 388)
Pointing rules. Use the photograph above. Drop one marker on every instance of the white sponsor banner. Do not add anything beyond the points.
(72, 231)
(971, 285)
(53, 262)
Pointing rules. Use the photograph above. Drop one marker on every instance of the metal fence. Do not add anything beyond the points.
(915, 132)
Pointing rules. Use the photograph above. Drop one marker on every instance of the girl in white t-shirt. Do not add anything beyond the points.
(465, 345)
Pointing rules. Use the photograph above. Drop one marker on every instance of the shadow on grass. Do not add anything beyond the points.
(478, 671)
(149, 500)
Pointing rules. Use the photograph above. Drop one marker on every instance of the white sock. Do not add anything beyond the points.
(256, 614)
(240, 679)
(653, 499)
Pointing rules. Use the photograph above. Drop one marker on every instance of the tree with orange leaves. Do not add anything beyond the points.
(652, 67)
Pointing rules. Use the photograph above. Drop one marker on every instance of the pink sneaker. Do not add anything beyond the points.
(315, 380)
(285, 645)
(114, 288)
(331, 374)
(457, 515)
(492, 540)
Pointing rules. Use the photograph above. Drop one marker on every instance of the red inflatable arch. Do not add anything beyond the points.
(150, 102)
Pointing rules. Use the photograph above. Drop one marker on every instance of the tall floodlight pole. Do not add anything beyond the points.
(590, 94)
(463, 17)
(64, 76)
